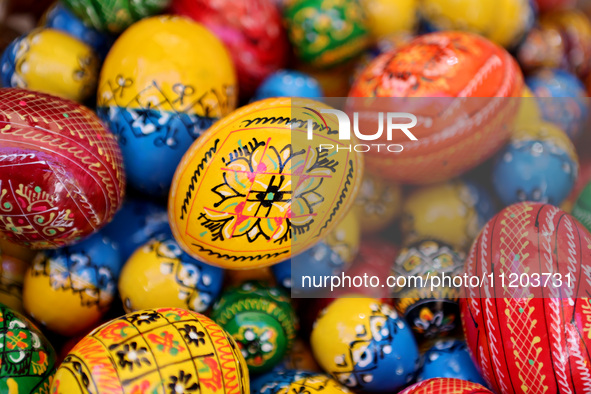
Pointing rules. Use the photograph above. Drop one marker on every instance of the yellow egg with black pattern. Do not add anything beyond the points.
(254, 189)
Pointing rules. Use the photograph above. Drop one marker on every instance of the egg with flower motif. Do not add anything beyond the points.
(326, 33)
(154, 350)
(185, 83)
(446, 138)
(28, 359)
(61, 172)
(254, 190)
(160, 274)
(261, 320)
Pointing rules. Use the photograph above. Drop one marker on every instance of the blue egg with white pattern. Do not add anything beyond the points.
(152, 143)
(539, 167)
(136, 222)
(449, 359)
(562, 100)
(60, 18)
(288, 83)
(282, 273)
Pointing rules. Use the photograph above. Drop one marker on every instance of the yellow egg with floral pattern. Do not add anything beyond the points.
(254, 189)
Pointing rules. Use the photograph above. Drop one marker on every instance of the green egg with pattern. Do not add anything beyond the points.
(261, 320)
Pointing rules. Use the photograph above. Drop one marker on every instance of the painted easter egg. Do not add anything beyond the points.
(115, 15)
(452, 212)
(135, 224)
(12, 276)
(326, 33)
(68, 290)
(562, 99)
(296, 381)
(252, 30)
(288, 83)
(261, 320)
(575, 30)
(160, 273)
(582, 208)
(434, 69)
(386, 17)
(446, 386)
(50, 61)
(61, 18)
(538, 164)
(61, 172)
(154, 350)
(502, 22)
(186, 82)
(330, 256)
(431, 312)
(378, 203)
(535, 325)
(449, 359)
(365, 345)
(253, 189)
(28, 359)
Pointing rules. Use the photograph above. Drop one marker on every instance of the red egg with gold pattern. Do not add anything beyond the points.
(252, 30)
(527, 325)
(61, 173)
(425, 78)
(446, 386)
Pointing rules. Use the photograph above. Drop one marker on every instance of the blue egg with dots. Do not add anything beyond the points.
(449, 359)
(538, 164)
(282, 273)
(288, 83)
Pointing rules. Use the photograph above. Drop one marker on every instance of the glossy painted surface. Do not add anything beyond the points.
(28, 359)
(562, 99)
(210, 214)
(541, 336)
(252, 30)
(154, 350)
(430, 313)
(387, 17)
(452, 212)
(503, 22)
(185, 82)
(12, 276)
(365, 345)
(449, 359)
(378, 203)
(50, 61)
(160, 274)
(538, 164)
(61, 173)
(69, 289)
(261, 320)
(288, 83)
(582, 208)
(446, 386)
(135, 224)
(326, 33)
(443, 65)
(296, 381)
(61, 18)
(115, 15)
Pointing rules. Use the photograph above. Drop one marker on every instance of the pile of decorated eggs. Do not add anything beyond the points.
(194, 197)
